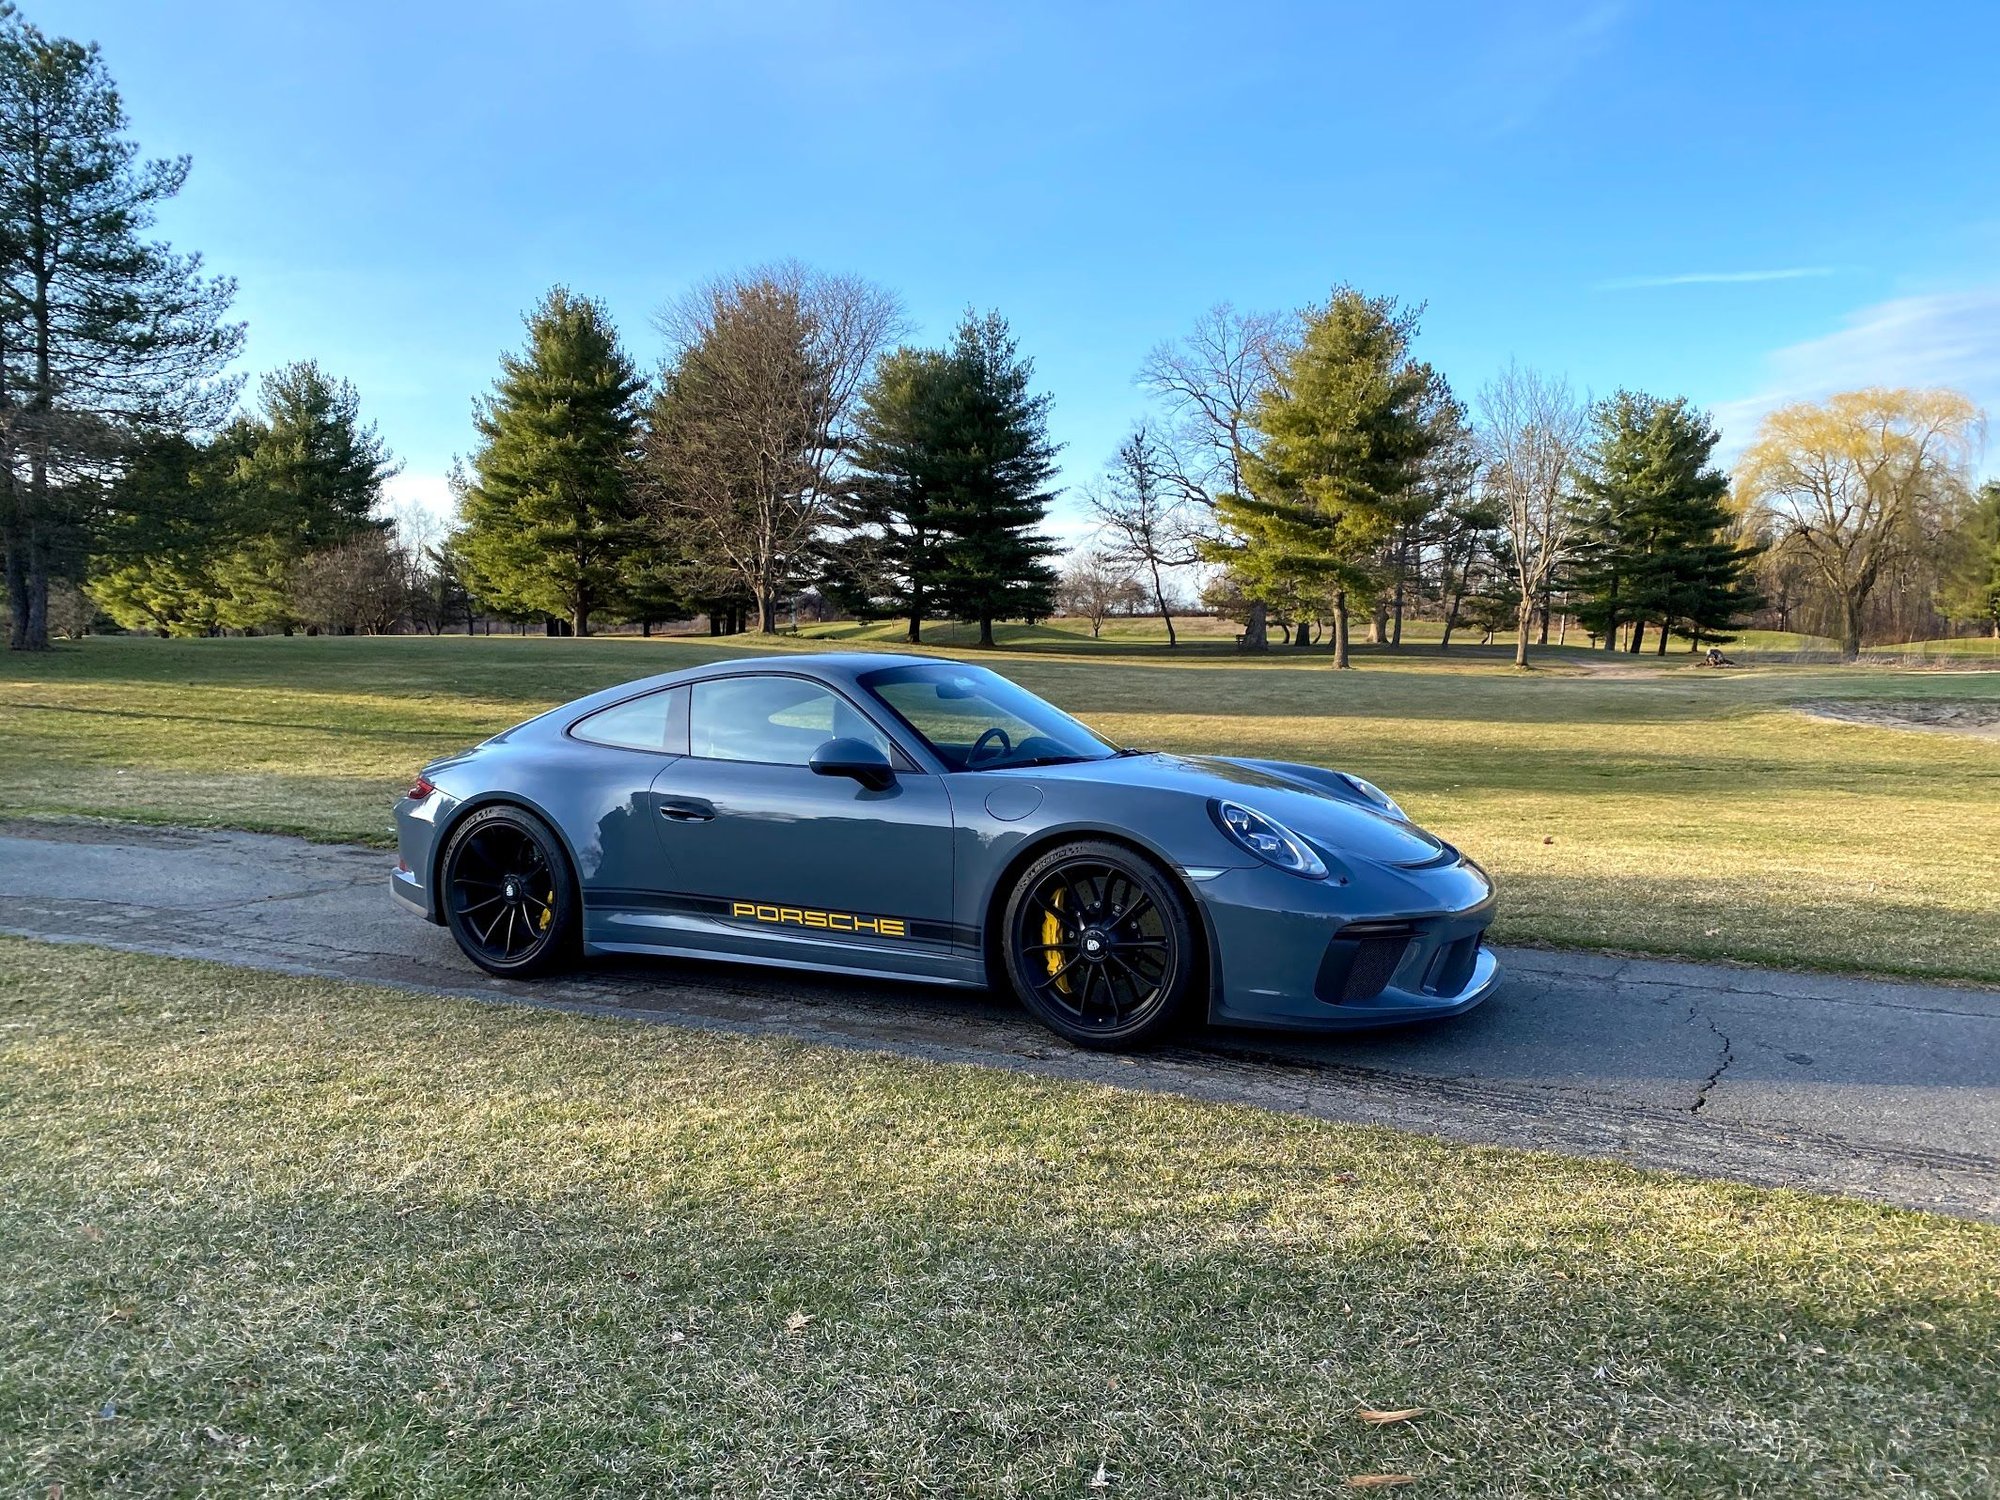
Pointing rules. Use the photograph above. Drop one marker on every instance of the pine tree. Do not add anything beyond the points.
(172, 520)
(550, 519)
(309, 476)
(991, 459)
(103, 332)
(1658, 550)
(889, 560)
(1972, 571)
(1338, 440)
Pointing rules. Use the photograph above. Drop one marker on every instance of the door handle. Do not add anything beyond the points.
(687, 810)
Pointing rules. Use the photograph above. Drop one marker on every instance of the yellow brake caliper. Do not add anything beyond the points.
(1052, 934)
(548, 913)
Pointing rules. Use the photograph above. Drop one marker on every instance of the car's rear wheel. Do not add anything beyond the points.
(1099, 945)
(509, 896)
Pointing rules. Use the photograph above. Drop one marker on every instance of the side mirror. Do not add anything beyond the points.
(856, 758)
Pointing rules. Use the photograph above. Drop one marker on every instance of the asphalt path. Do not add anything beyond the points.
(1885, 1091)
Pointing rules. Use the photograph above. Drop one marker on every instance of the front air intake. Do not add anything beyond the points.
(1361, 960)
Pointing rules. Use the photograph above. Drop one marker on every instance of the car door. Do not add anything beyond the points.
(772, 860)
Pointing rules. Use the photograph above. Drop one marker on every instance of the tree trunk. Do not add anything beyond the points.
(1396, 617)
(986, 630)
(1340, 661)
(579, 620)
(1850, 636)
(915, 634)
(17, 591)
(1524, 622)
(1542, 635)
(1661, 650)
(1638, 641)
(1166, 611)
(1302, 633)
(1378, 623)
(1256, 629)
(767, 614)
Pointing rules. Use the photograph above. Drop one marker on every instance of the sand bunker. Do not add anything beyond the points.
(1940, 715)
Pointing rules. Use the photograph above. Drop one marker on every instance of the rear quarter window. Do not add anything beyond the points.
(636, 724)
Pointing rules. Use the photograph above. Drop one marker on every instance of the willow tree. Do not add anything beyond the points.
(1855, 484)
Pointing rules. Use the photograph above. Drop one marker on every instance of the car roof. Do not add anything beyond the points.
(840, 667)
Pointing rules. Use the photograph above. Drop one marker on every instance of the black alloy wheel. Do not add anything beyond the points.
(1099, 946)
(509, 897)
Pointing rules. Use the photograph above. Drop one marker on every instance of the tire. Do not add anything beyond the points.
(492, 891)
(1119, 979)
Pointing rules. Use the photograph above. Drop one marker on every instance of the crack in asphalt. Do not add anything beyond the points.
(1722, 1063)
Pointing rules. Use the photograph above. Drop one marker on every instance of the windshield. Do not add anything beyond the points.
(976, 720)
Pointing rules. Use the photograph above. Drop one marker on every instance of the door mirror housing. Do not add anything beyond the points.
(858, 759)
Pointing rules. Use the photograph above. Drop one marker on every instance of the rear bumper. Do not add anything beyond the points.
(1317, 956)
(404, 887)
(416, 834)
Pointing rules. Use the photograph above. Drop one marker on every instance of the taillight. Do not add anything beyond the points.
(419, 789)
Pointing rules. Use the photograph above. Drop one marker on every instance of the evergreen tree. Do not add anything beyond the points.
(1338, 440)
(990, 459)
(550, 518)
(171, 520)
(309, 475)
(890, 558)
(1658, 549)
(102, 330)
(1972, 577)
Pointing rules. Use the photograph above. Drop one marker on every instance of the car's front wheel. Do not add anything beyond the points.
(1099, 945)
(509, 896)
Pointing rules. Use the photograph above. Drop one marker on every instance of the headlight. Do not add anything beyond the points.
(1268, 839)
(1374, 794)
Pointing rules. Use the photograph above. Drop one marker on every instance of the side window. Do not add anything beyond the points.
(771, 719)
(637, 724)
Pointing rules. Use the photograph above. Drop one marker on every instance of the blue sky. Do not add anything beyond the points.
(1743, 203)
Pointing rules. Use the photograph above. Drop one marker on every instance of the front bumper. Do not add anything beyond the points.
(1389, 948)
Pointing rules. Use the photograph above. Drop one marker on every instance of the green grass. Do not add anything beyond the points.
(266, 1235)
(1622, 805)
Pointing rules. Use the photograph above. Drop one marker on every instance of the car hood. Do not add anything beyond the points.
(1308, 800)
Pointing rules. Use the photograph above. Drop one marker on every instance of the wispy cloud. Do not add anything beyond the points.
(1526, 74)
(1937, 339)
(1714, 278)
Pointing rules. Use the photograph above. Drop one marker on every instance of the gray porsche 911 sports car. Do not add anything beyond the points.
(918, 819)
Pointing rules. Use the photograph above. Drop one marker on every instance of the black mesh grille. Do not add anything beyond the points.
(1360, 962)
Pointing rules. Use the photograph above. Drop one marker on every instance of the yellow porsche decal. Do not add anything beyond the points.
(830, 921)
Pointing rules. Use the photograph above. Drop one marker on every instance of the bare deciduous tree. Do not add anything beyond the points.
(1208, 381)
(354, 586)
(1854, 485)
(1531, 431)
(1095, 587)
(751, 420)
(1145, 518)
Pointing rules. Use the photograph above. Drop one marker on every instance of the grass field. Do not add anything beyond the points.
(266, 1235)
(1620, 804)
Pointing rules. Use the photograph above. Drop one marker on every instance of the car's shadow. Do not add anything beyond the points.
(1583, 1031)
